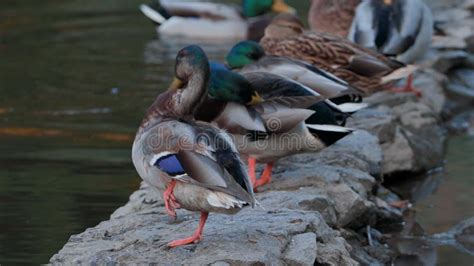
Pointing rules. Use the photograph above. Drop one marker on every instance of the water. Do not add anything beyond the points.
(75, 79)
(444, 198)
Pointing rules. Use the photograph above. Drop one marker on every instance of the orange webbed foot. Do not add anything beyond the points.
(265, 178)
(408, 88)
(195, 238)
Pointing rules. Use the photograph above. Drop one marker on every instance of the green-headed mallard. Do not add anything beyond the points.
(289, 120)
(249, 56)
(206, 20)
(361, 67)
(194, 164)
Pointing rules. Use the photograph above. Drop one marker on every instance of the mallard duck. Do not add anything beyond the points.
(194, 164)
(361, 67)
(332, 16)
(249, 56)
(399, 28)
(278, 119)
(206, 20)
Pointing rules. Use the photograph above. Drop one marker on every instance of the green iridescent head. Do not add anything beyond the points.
(228, 86)
(244, 53)
(253, 8)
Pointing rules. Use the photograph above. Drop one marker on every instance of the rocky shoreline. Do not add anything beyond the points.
(329, 208)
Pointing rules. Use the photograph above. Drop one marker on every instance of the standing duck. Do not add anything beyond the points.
(278, 119)
(360, 67)
(195, 165)
(206, 20)
(399, 28)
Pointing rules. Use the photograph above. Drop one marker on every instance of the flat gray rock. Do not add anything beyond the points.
(252, 236)
(302, 250)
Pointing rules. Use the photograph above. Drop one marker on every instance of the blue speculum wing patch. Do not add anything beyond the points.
(170, 165)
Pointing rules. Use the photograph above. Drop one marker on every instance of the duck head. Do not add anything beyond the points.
(189, 87)
(284, 26)
(244, 53)
(253, 8)
(228, 86)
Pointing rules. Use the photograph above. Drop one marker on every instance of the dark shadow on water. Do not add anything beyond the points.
(442, 199)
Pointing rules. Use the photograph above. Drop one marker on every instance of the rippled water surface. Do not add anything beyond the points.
(75, 79)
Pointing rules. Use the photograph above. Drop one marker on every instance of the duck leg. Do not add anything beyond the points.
(170, 201)
(196, 237)
(408, 87)
(253, 178)
(266, 176)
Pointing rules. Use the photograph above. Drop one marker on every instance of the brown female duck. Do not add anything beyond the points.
(361, 67)
(332, 16)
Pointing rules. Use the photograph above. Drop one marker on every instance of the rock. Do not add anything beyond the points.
(462, 123)
(431, 85)
(447, 15)
(349, 205)
(305, 198)
(360, 145)
(462, 84)
(379, 121)
(398, 154)
(461, 28)
(335, 253)
(302, 250)
(251, 237)
(144, 198)
(448, 60)
(469, 5)
(448, 42)
(307, 176)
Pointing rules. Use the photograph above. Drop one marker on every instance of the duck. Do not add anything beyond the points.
(322, 13)
(270, 117)
(194, 164)
(249, 56)
(402, 29)
(361, 67)
(214, 21)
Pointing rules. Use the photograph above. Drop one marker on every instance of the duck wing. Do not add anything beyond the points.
(204, 156)
(281, 90)
(314, 78)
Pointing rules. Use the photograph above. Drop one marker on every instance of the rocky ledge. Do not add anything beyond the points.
(328, 208)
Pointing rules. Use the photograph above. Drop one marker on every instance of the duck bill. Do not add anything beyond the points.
(176, 84)
(256, 99)
(280, 6)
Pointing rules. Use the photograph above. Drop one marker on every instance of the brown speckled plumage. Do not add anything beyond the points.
(361, 67)
(332, 16)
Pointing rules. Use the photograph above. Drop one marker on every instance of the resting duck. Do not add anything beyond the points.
(332, 16)
(206, 20)
(399, 28)
(361, 67)
(195, 165)
(270, 117)
(249, 56)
